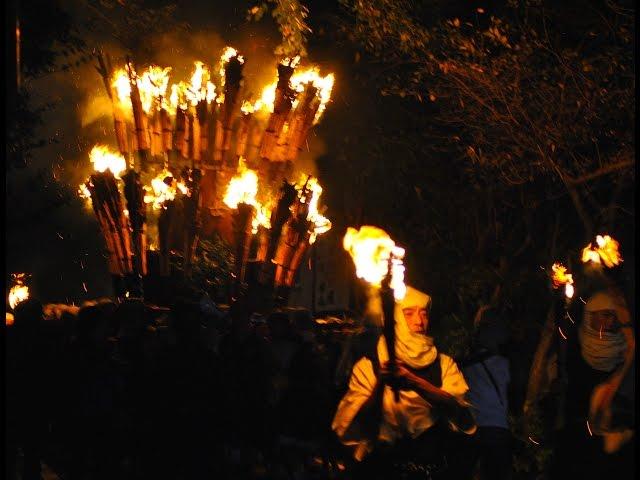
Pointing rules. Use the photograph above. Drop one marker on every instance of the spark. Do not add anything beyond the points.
(569, 317)
(561, 333)
(600, 330)
(61, 237)
(582, 300)
(533, 441)
(589, 429)
(84, 285)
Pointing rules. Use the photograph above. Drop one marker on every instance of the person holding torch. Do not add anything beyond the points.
(404, 433)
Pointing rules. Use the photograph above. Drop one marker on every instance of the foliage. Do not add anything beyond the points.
(290, 15)
(521, 103)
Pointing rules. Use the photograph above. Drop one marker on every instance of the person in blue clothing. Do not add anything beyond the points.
(486, 371)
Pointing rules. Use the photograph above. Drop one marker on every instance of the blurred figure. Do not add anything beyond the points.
(27, 376)
(487, 373)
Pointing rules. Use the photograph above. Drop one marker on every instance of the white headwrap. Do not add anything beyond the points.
(415, 349)
(602, 350)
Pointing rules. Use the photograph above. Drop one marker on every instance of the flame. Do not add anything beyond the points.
(606, 251)
(370, 248)
(9, 319)
(104, 159)
(122, 86)
(321, 224)
(19, 291)
(247, 107)
(324, 85)
(198, 89)
(227, 54)
(267, 99)
(561, 277)
(161, 192)
(243, 188)
(153, 87)
(291, 62)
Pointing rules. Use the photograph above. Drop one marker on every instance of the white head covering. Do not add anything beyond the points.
(415, 349)
(602, 350)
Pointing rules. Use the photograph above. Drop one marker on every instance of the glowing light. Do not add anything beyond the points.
(104, 159)
(324, 85)
(606, 251)
(560, 277)
(371, 248)
(321, 224)
(19, 292)
(243, 188)
(163, 188)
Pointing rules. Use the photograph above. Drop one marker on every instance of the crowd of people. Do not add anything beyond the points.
(125, 390)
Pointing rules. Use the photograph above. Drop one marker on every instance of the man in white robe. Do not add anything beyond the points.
(421, 403)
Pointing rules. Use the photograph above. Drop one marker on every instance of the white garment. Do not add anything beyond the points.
(411, 416)
(602, 350)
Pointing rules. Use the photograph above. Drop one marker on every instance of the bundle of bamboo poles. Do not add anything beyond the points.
(281, 109)
(192, 218)
(279, 217)
(293, 242)
(134, 195)
(242, 227)
(228, 109)
(109, 211)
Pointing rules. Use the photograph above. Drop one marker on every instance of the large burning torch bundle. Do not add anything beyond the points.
(107, 205)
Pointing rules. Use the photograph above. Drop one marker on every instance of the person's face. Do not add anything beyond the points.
(603, 319)
(417, 319)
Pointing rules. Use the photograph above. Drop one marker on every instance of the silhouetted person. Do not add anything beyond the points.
(27, 390)
(487, 373)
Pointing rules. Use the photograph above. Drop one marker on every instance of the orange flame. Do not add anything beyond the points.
(162, 191)
(324, 85)
(321, 224)
(19, 291)
(104, 159)
(370, 248)
(606, 251)
(561, 277)
(243, 188)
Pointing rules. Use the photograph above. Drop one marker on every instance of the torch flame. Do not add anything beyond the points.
(19, 291)
(606, 251)
(162, 191)
(103, 159)
(370, 248)
(561, 277)
(243, 188)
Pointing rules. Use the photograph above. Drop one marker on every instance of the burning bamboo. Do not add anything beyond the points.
(107, 206)
(231, 72)
(139, 118)
(119, 121)
(134, 195)
(242, 228)
(167, 130)
(182, 124)
(281, 109)
(192, 218)
(302, 121)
